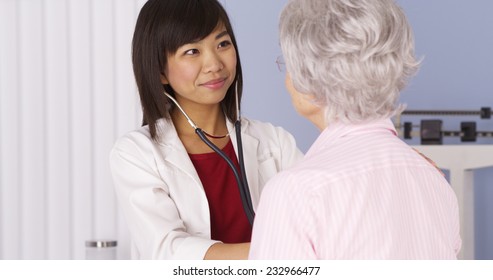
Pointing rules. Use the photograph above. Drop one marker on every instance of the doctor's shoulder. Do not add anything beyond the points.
(266, 131)
(139, 144)
(272, 137)
(141, 136)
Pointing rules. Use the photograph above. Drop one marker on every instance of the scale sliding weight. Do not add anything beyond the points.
(431, 132)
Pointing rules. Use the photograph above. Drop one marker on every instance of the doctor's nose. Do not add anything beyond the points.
(213, 63)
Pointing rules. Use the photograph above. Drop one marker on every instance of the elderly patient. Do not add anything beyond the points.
(360, 192)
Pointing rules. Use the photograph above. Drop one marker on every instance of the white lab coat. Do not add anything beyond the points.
(162, 197)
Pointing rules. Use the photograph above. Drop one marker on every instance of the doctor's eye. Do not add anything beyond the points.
(191, 52)
(225, 44)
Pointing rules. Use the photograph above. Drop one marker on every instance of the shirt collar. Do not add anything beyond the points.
(338, 130)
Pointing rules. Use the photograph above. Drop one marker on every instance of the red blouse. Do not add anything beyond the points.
(229, 222)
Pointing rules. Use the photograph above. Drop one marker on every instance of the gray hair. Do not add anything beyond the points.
(354, 56)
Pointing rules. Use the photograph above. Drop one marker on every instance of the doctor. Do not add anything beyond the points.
(179, 198)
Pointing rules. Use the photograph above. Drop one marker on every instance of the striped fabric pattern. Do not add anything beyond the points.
(359, 193)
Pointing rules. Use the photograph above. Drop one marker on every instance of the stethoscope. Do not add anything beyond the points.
(241, 179)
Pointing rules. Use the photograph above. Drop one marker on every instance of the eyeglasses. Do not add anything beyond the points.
(281, 65)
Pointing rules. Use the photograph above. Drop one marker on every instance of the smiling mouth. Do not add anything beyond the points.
(215, 84)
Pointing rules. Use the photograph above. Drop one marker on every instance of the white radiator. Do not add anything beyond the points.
(66, 93)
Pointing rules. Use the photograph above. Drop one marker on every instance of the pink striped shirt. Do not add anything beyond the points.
(359, 193)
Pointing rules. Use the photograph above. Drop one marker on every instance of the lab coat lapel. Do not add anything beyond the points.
(175, 153)
(185, 183)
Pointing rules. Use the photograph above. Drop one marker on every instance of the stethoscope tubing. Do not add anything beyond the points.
(240, 178)
(240, 175)
(244, 186)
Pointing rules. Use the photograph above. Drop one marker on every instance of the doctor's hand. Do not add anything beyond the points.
(430, 161)
(234, 251)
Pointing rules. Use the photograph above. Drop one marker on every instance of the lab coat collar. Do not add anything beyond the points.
(175, 153)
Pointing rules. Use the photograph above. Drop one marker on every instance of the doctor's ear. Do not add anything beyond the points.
(164, 80)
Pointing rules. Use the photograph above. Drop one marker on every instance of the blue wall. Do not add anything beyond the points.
(455, 40)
